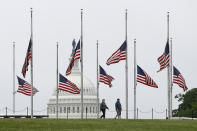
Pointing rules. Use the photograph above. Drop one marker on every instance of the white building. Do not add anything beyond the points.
(70, 104)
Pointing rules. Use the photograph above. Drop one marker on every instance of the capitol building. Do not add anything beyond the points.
(70, 104)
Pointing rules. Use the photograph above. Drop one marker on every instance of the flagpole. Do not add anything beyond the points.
(81, 63)
(97, 82)
(32, 63)
(168, 73)
(126, 65)
(135, 82)
(57, 92)
(13, 77)
(171, 78)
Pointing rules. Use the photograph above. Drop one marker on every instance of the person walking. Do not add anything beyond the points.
(118, 108)
(103, 108)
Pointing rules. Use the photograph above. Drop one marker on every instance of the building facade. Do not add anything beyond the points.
(70, 104)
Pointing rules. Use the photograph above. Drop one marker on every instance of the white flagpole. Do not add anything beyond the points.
(81, 63)
(135, 82)
(14, 78)
(126, 65)
(32, 63)
(57, 91)
(169, 79)
(97, 81)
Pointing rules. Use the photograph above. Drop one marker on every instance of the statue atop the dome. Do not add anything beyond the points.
(74, 45)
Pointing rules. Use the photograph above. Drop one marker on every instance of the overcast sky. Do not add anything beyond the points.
(104, 20)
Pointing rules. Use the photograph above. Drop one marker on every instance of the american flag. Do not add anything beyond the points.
(144, 78)
(164, 58)
(68, 86)
(119, 55)
(178, 79)
(25, 88)
(27, 58)
(105, 78)
(75, 56)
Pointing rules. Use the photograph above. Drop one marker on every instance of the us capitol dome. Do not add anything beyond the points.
(69, 105)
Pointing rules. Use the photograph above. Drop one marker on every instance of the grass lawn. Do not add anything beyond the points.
(96, 125)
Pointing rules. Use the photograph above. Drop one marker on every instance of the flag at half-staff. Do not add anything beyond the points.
(164, 59)
(178, 79)
(104, 77)
(68, 86)
(144, 78)
(119, 55)
(27, 58)
(25, 88)
(75, 56)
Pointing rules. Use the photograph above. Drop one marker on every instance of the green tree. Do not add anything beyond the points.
(188, 106)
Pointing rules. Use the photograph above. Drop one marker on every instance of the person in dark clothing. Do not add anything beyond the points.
(103, 108)
(118, 108)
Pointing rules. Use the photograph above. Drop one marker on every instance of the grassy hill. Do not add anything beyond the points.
(96, 125)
